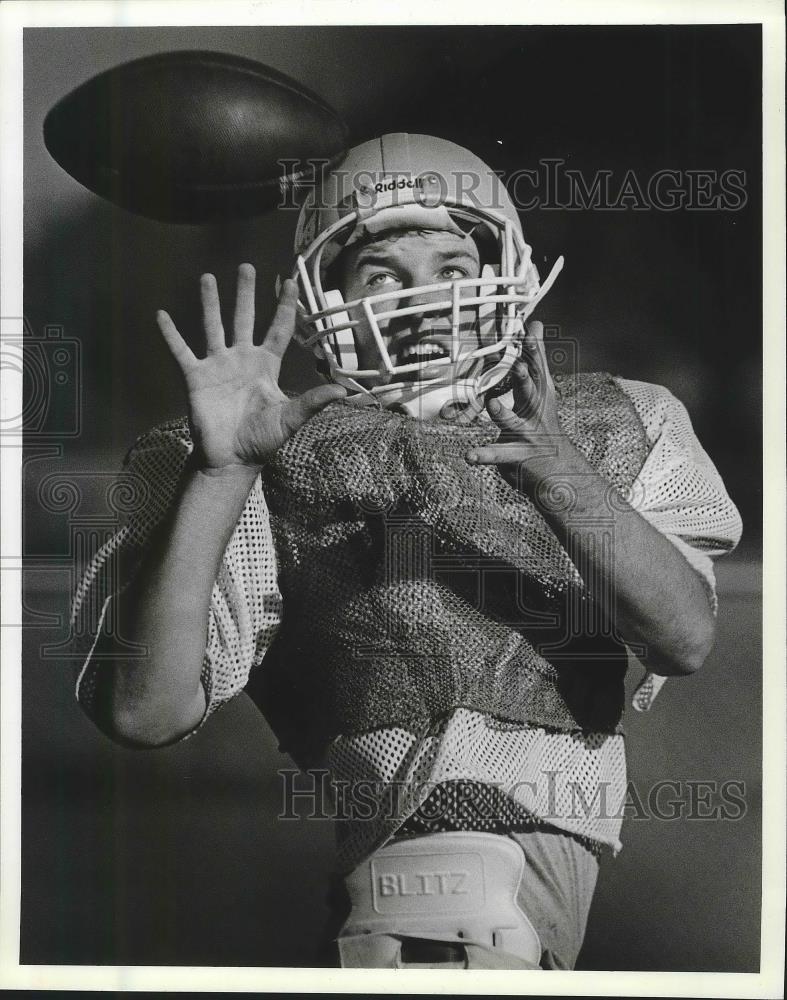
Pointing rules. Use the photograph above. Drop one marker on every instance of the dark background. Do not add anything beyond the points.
(176, 856)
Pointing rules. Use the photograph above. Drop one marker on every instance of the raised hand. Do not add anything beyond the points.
(531, 437)
(239, 415)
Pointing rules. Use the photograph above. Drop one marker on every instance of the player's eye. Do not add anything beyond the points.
(380, 278)
(452, 272)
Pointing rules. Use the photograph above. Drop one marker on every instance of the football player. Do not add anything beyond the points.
(428, 572)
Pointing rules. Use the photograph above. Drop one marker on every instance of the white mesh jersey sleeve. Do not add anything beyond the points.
(679, 491)
(246, 606)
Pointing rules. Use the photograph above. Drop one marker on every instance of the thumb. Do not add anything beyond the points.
(300, 409)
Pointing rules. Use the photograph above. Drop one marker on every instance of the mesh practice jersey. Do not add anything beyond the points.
(544, 776)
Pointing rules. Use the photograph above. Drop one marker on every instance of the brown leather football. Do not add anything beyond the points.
(193, 136)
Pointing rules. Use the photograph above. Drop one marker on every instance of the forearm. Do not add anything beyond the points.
(646, 588)
(154, 698)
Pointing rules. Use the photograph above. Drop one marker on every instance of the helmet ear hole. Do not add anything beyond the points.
(343, 340)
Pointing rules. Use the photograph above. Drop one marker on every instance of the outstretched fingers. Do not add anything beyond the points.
(211, 314)
(535, 352)
(508, 453)
(243, 321)
(282, 326)
(526, 394)
(178, 347)
(506, 419)
(508, 448)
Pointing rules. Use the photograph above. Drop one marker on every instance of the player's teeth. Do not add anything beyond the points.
(422, 350)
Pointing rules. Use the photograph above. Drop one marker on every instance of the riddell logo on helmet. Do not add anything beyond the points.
(428, 189)
(401, 184)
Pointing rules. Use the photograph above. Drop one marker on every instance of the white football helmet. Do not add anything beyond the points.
(416, 182)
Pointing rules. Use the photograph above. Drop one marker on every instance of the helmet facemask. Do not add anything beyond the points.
(480, 319)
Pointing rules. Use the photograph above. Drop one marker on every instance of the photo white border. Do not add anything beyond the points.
(17, 14)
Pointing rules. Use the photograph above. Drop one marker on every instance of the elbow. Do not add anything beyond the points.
(149, 729)
(136, 734)
(701, 640)
(690, 652)
(688, 661)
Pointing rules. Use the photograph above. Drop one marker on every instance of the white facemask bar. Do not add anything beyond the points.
(332, 322)
(457, 303)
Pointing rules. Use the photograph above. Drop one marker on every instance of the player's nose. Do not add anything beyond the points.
(429, 300)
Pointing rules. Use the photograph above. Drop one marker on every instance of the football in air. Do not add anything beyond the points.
(193, 137)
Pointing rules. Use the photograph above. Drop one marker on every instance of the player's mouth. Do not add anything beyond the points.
(422, 351)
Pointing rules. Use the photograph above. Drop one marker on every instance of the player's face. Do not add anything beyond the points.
(410, 260)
